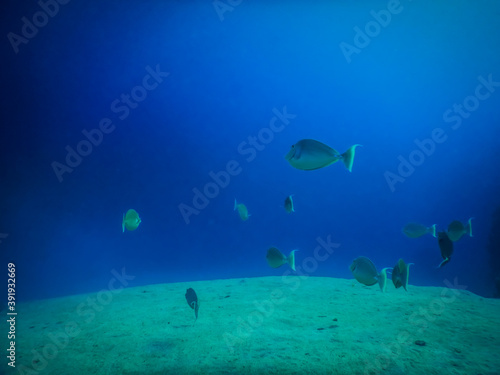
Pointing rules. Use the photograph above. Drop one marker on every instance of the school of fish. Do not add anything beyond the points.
(309, 155)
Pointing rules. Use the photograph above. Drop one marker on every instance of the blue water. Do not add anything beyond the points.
(222, 76)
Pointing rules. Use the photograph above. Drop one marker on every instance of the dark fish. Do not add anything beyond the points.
(400, 274)
(192, 300)
(446, 247)
(497, 285)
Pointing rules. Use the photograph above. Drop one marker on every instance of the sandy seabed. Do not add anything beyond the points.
(269, 325)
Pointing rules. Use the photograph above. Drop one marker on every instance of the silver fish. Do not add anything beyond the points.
(242, 210)
(365, 272)
(414, 230)
(276, 258)
(309, 154)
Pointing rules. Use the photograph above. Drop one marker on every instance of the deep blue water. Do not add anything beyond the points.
(221, 77)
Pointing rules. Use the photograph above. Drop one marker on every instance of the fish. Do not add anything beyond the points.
(309, 154)
(276, 258)
(456, 229)
(414, 230)
(400, 274)
(289, 204)
(365, 272)
(242, 210)
(446, 247)
(131, 220)
(192, 300)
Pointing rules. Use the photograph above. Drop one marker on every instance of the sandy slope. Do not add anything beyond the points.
(262, 326)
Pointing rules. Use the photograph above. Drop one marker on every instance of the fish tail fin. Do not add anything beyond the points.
(469, 227)
(235, 204)
(433, 230)
(291, 259)
(382, 279)
(123, 224)
(445, 260)
(408, 275)
(348, 157)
